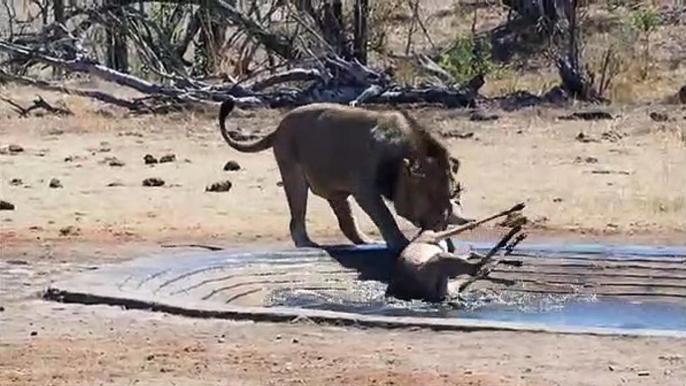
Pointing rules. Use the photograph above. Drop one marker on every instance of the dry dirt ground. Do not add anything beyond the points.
(628, 186)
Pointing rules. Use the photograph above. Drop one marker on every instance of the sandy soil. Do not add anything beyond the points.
(629, 186)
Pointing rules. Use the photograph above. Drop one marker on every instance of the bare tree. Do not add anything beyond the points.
(117, 53)
(360, 30)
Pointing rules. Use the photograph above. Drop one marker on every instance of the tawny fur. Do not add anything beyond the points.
(423, 269)
(339, 151)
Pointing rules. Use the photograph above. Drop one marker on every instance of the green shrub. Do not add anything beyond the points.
(467, 58)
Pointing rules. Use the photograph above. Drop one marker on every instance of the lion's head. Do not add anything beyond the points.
(427, 193)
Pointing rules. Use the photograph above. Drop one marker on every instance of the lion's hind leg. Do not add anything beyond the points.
(296, 188)
(346, 220)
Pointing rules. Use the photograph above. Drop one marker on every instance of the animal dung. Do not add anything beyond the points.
(153, 181)
(223, 186)
(231, 166)
(168, 158)
(14, 149)
(6, 205)
(149, 159)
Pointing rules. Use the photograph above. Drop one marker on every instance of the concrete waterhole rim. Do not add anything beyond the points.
(59, 291)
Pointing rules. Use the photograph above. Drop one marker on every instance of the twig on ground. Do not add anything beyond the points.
(209, 247)
(38, 103)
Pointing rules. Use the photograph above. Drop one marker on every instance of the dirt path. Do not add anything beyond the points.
(627, 189)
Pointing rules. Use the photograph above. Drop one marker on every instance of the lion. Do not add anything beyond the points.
(338, 151)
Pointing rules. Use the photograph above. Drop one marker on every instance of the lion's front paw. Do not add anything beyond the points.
(307, 244)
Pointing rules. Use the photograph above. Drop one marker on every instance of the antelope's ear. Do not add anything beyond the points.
(413, 168)
(407, 163)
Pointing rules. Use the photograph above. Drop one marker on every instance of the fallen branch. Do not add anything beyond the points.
(98, 95)
(38, 103)
(295, 75)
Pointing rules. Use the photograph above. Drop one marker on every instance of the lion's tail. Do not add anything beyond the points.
(251, 147)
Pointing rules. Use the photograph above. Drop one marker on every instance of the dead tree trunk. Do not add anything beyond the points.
(333, 28)
(58, 11)
(117, 53)
(211, 34)
(360, 33)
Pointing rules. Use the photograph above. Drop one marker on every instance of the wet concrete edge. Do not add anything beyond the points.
(289, 315)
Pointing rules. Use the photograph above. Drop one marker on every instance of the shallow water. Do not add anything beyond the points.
(562, 310)
(551, 310)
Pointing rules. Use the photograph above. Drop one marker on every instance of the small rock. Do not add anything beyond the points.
(114, 184)
(149, 159)
(659, 117)
(557, 199)
(104, 147)
(588, 160)
(582, 137)
(681, 95)
(2, 309)
(34, 333)
(232, 166)
(277, 337)
(16, 181)
(69, 230)
(610, 368)
(154, 181)
(643, 373)
(14, 149)
(167, 158)
(55, 183)
(223, 186)
(55, 132)
(279, 183)
(295, 340)
(114, 162)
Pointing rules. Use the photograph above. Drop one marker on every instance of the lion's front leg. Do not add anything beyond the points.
(376, 209)
(346, 221)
